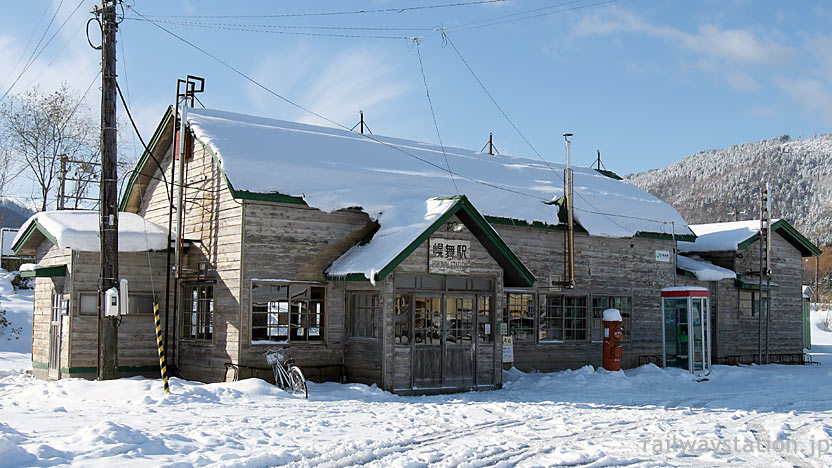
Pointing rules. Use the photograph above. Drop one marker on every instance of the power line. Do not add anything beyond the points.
(270, 31)
(494, 23)
(298, 106)
(335, 13)
(34, 57)
(433, 114)
(28, 43)
(280, 26)
(521, 13)
(147, 150)
(490, 96)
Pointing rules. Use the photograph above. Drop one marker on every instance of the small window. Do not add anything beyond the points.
(749, 303)
(520, 317)
(139, 304)
(197, 311)
(88, 304)
(287, 313)
(363, 313)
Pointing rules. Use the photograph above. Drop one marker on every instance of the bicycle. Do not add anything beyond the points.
(286, 375)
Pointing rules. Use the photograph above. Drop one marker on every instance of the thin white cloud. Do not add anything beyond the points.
(812, 95)
(738, 45)
(336, 87)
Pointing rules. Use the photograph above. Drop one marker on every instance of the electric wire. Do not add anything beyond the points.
(146, 149)
(25, 49)
(494, 101)
(280, 26)
(291, 33)
(433, 114)
(335, 13)
(34, 57)
(494, 23)
(337, 124)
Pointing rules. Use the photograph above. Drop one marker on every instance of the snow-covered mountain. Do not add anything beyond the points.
(711, 186)
(13, 214)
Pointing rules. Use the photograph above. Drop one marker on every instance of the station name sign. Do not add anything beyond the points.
(449, 256)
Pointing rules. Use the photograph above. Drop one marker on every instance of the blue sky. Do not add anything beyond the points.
(647, 82)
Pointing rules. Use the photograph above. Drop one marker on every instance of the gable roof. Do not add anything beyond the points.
(330, 169)
(376, 259)
(739, 235)
(79, 230)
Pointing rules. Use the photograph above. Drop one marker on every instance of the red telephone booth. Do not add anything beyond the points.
(686, 328)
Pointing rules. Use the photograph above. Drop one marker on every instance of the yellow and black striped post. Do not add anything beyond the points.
(160, 343)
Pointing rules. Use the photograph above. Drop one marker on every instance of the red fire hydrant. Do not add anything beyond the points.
(612, 340)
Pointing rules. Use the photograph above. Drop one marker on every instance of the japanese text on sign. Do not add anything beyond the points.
(449, 256)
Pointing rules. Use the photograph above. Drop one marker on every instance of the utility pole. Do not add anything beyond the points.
(62, 183)
(108, 326)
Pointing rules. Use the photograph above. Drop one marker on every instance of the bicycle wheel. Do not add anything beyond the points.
(298, 381)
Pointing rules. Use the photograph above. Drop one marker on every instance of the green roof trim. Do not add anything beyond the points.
(34, 227)
(516, 272)
(274, 197)
(663, 235)
(792, 236)
(610, 174)
(154, 141)
(45, 272)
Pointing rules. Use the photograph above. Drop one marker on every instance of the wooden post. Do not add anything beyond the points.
(108, 346)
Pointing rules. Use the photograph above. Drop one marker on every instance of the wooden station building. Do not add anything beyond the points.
(392, 262)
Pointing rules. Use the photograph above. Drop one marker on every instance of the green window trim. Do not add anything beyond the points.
(45, 272)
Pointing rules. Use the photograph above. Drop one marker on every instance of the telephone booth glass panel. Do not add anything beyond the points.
(686, 329)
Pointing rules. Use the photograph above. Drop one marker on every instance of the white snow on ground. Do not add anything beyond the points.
(767, 416)
(79, 230)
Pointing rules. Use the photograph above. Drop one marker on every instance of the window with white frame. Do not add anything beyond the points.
(563, 318)
(284, 312)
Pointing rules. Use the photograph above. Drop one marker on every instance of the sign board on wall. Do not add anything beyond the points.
(663, 256)
(449, 256)
(508, 349)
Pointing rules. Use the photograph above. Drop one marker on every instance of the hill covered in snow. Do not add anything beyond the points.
(713, 185)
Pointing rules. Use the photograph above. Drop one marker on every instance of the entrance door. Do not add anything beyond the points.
(427, 342)
(55, 338)
(458, 365)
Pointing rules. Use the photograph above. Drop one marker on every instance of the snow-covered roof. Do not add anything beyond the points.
(388, 177)
(730, 236)
(720, 237)
(704, 271)
(79, 230)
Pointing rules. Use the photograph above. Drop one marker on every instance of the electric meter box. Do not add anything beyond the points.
(111, 303)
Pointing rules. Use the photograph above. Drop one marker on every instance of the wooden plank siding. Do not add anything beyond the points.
(212, 226)
(735, 335)
(297, 243)
(603, 267)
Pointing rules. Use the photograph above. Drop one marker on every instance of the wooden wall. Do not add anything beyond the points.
(603, 266)
(213, 224)
(297, 243)
(49, 255)
(736, 336)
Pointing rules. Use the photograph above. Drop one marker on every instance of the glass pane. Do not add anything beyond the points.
(402, 320)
